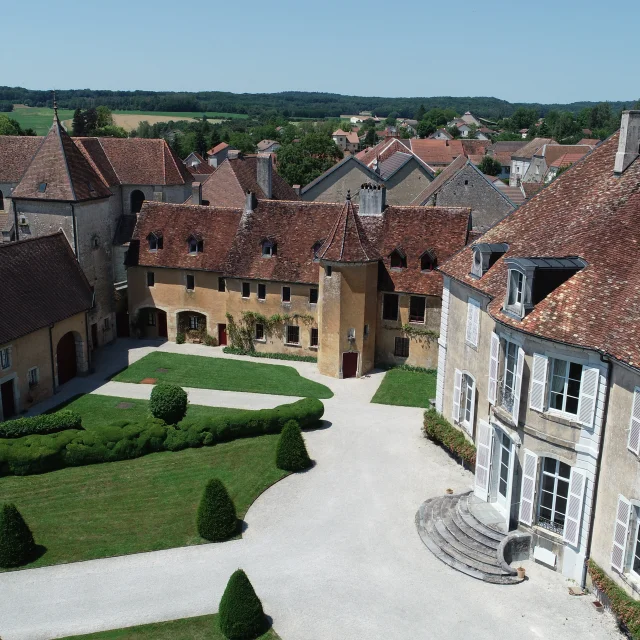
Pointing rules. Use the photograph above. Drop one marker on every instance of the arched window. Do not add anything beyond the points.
(269, 248)
(398, 259)
(137, 198)
(195, 244)
(428, 261)
(155, 241)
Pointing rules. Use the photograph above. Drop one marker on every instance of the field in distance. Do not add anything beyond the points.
(40, 118)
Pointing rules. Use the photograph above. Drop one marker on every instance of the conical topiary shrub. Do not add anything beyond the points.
(17, 546)
(291, 453)
(240, 615)
(217, 520)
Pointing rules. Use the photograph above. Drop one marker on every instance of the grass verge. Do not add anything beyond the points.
(223, 374)
(407, 388)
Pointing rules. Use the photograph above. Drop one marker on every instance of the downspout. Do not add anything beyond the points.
(53, 369)
(596, 482)
(75, 231)
(15, 220)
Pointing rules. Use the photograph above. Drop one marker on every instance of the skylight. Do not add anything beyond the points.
(42, 187)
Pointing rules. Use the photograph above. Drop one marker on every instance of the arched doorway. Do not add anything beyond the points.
(151, 323)
(137, 198)
(66, 356)
(193, 325)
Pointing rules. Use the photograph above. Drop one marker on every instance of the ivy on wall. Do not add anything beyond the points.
(241, 333)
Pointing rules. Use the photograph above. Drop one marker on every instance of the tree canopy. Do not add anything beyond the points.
(301, 162)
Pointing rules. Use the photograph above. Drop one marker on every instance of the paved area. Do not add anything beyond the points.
(333, 553)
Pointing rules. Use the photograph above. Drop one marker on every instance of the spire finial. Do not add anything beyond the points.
(55, 105)
(348, 194)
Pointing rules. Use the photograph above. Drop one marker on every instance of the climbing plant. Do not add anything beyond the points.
(242, 332)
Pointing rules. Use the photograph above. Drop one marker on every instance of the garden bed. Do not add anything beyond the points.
(407, 387)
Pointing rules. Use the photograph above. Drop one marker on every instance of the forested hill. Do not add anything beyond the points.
(288, 103)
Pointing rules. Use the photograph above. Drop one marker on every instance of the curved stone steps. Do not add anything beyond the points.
(465, 513)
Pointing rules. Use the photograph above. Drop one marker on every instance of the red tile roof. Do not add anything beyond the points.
(29, 302)
(590, 213)
(532, 147)
(592, 142)
(16, 152)
(202, 169)
(219, 147)
(437, 152)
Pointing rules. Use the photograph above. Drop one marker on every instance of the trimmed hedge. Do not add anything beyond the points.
(240, 614)
(43, 424)
(168, 402)
(17, 546)
(217, 519)
(123, 441)
(273, 356)
(626, 609)
(441, 431)
(291, 453)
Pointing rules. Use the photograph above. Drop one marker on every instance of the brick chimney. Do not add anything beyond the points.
(196, 193)
(373, 199)
(629, 143)
(265, 174)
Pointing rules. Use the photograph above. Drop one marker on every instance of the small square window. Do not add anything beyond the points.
(286, 294)
(33, 376)
(401, 348)
(314, 337)
(259, 331)
(329, 271)
(293, 334)
(246, 289)
(466, 182)
(313, 296)
(151, 278)
(262, 291)
(191, 282)
(221, 285)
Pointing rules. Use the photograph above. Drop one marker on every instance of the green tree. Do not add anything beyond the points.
(91, 120)
(454, 131)
(243, 142)
(291, 452)
(217, 519)
(302, 162)
(391, 118)
(426, 128)
(79, 123)
(490, 166)
(9, 127)
(420, 113)
(110, 131)
(240, 614)
(104, 117)
(17, 546)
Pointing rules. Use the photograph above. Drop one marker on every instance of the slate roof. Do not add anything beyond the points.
(16, 153)
(393, 163)
(59, 171)
(589, 213)
(233, 239)
(27, 269)
(228, 185)
(382, 151)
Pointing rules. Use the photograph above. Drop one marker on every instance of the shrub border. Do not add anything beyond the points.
(274, 356)
(441, 431)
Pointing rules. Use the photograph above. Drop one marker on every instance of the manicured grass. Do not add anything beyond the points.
(223, 374)
(145, 504)
(200, 628)
(406, 388)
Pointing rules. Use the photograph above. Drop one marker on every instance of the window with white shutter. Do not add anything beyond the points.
(528, 492)
(538, 391)
(473, 321)
(634, 428)
(457, 386)
(588, 396)
(620, 534)
(515, 411)
(577, 484)
(467, 402)
(483, 460)
(493, 368)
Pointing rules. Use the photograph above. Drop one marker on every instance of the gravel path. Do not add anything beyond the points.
(333, 553)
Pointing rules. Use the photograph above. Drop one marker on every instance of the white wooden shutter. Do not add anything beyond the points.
(588, 396)
(634, 427)
(472, 393)
(538, 392)
(515, 411)
(528, 492)
(620, 533)
(473, 321)
(457, 388)
(577, 484)
(483, 459)
(493, 368)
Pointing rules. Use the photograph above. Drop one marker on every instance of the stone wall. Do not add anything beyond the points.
(407, 184)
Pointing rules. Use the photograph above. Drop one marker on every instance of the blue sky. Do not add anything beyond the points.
(546, 51)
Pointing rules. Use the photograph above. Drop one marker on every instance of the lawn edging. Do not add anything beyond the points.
(124, 441)
(442, 432)
(273, 356)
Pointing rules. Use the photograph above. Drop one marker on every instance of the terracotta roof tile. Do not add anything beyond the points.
(532, 147)
(219, 147)
(437, 152)
(16, 152)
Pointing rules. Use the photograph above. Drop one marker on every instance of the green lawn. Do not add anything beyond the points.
(223, 374)
(200, 628)
(145, 504)
(406, 388)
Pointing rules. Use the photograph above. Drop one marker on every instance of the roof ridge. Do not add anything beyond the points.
(56, 123)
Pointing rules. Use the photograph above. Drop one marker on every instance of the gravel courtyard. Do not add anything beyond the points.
(333, 553)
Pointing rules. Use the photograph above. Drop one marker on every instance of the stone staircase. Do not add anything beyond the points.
(449, 529)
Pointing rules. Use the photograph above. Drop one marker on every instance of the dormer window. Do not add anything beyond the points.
(269, 248)
(515, 292)
(428, 260)
(398, 259)
(485, 255)
(155, 241)
(196, 245)
(316, 247)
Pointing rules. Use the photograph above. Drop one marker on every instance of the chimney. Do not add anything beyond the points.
(233, 154)
(629, 143)
(264, 174)
(196, 193)
(250, 202)
(373, 199)
(297, 188)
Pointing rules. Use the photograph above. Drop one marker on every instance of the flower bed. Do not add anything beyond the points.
(439, 430)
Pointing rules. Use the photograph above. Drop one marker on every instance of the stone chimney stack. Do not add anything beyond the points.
(265, 174)
(251, 202)
(196, 193)
(373, 199)
(629, 143)
(234, 154)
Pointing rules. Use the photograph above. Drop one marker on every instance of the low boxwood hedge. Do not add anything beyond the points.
(43, 424)
(273, 356)
(438, 429)
(123, 440)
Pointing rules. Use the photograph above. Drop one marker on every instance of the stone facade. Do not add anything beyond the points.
(335, 184)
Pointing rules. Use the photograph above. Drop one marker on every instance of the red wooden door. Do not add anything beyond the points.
(8, 400)
(349, 364)
(222, 335)
(162, 324)
(66, 355)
